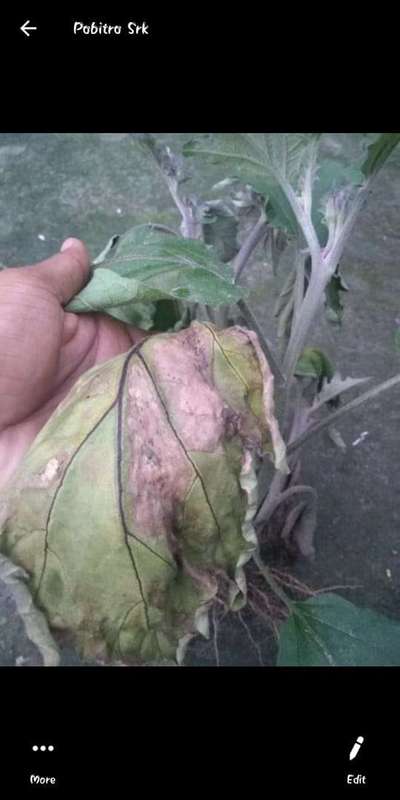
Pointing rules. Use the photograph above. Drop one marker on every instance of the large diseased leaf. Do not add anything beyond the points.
(145, 266)
(330, 631)
(136, 498)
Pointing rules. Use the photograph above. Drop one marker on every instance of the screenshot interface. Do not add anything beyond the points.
(199, 408)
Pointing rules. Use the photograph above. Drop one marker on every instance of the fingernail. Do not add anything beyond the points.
(67, 244)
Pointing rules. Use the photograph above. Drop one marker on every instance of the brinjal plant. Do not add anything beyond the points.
(140, 505)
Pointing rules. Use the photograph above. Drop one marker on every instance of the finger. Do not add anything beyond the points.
(66, 273)
(70, 327)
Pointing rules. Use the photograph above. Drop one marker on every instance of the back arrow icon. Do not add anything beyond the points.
(25, 28)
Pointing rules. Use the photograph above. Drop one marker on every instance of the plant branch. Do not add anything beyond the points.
(323, 266)
(268, 507)
(332, 257)
(272, 583)
(170, 170)
(306, 317)
(319, 426)
(190, 227)
(249, 245)
(305, 223)
(309, 178)
(299, 284)
(255, 644)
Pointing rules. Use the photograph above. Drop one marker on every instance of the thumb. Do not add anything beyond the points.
(65, 273)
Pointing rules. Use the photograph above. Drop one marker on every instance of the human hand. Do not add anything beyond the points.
(44, 349)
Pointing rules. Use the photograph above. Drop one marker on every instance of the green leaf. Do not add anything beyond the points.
(139, 314)
(105, 252)
(313, 363)
(334, 306)
(332, 389)
(330, 631)
(279, 211)
(274, 154)
(266, 161)
(145, 266)
(379, 152)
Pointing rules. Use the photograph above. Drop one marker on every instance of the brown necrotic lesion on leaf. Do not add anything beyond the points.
(134, 504)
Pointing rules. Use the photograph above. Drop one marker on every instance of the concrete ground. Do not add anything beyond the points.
(94, 185)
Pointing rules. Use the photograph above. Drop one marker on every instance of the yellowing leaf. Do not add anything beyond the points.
(133, 506)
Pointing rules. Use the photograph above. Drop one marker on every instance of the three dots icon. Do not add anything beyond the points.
(43, 747)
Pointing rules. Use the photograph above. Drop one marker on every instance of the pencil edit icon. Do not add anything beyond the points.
(356, 746)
